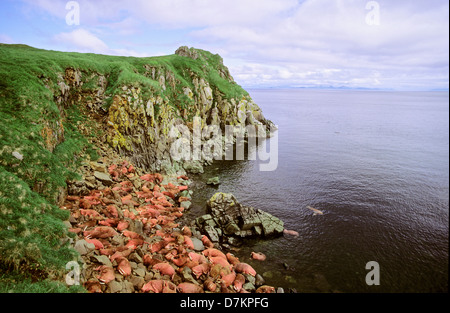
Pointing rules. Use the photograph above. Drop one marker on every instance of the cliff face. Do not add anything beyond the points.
(55, 107)
(170, 91)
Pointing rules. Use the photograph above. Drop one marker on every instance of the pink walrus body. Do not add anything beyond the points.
(106, 274)
(200, 269)
(212, 252)
(159, 286)
(290, 232)
(227, 279)
(123, 266)
(258, 256)
(239, 282)
(245, 268)
(100, 232)
(165, 268)
(98, 245)
(219, 260)
(190, 288)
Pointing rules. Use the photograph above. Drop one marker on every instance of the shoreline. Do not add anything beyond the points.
(118, 259)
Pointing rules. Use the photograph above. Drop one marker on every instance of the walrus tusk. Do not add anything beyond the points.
(314, 210)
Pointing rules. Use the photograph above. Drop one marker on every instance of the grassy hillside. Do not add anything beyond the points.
(46, 132)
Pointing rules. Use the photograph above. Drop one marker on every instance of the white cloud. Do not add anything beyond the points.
(411, 40)
(81, 40)
(319, 41)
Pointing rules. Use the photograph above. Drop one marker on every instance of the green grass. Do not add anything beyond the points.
(52, 139)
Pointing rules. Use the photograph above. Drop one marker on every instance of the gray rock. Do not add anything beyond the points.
(258, 230)
(187, 52)
(184, 193)
(198, 244)
(204, 218)
(140, 272)
(211, 223)
(127, 287)
(136, 226)
(213, 181)
(135, 258)
(249, 286)
(234, 241)
(231, 228)
(212, 233)
(186, 204)
(270, 224)
(280, 290)
(98, 167)
(104, 178)
(137, 282)
(83, 247)
(249, 278)
(228, 217)
(148, 276)
(133, 265)
(117, 240)
(259, 280)
(250, 218)
(102, 259)
(187, 275)
(114, 286)
(194, 167)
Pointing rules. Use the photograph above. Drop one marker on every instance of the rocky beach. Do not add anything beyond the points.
(131, 238)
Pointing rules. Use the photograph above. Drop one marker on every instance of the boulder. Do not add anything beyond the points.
(213, 181)
(83, 247)
(104, 178)
(114, 286)
(212, 233)
(186, 204)
(227, 217)
(198, 244)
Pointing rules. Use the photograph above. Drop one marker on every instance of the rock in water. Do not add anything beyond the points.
(213, 181)
(228, 217)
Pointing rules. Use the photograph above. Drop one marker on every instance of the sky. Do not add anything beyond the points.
(384, 44)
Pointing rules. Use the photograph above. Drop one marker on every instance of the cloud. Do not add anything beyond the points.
(410, 41)
(81, 40)
(314, 41)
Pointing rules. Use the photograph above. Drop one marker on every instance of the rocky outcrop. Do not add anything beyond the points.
(140, 125)
(190, 88)
(228, 220)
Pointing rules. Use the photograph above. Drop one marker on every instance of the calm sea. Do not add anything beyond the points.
(376, 163)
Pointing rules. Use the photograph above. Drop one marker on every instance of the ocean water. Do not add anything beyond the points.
(376, 163)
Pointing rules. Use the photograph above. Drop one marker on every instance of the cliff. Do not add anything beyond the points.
(56, 109)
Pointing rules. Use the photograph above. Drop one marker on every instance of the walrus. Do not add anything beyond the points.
(316, 212)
